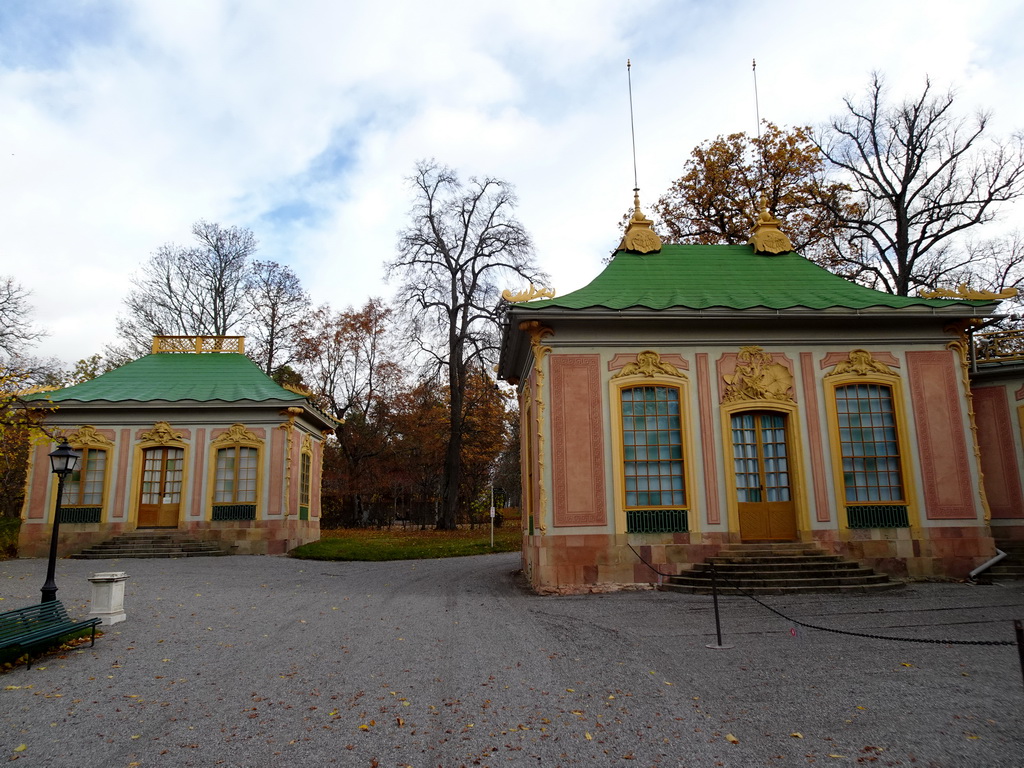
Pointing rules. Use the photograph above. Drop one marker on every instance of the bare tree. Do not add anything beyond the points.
(189, 290)
(919, 177)
(279, 304)
(17, 331)
(462, 245)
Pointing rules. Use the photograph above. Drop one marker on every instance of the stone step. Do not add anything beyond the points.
(799, 570)
(779, 568)
(781, 560)
(149, 544)
(806, 589)
(782, 580)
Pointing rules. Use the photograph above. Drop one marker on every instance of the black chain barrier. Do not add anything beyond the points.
(829, 629)
(859, 634)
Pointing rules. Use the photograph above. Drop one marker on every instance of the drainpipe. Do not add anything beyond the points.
(985, 566)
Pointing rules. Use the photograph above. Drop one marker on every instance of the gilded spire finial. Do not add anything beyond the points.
(767, 237)
(639, 237)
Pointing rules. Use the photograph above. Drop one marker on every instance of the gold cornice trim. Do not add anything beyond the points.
(639, 237)
(649, 363)
(237, 433)
(757, 378)
(87, 437)
(963, 292)
(531, 293)
(538, 332)
(861, 363)
(162, 434)
(767, 237)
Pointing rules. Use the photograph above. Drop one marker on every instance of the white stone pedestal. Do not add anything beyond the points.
(108, 596)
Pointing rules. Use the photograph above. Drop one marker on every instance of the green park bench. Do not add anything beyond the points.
(38, 626)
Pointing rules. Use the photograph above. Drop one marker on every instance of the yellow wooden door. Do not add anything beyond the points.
(160, 497)
(761, 469)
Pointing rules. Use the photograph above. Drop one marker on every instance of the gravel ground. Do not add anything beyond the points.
(260, 661)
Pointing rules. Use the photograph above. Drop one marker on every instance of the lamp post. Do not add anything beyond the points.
(63, 462)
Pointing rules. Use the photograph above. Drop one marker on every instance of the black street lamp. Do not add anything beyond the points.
(63, 462)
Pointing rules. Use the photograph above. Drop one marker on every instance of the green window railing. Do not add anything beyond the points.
(234, 511)
(80, 514)
(657, 521)
(877, 516)
(303, 512)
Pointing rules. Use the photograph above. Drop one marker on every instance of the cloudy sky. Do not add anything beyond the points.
(124, 122)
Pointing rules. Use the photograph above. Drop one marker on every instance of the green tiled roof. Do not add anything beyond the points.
(728, 277)
(223, 377)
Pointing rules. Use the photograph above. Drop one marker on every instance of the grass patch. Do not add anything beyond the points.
(408, 544)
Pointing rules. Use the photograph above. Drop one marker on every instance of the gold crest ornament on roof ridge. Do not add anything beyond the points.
(531, 293)
(963, 292)
(767, 237)
(639, 237)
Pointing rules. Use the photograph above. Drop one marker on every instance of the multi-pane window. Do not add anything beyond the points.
(652, 447)
(760, 457)
(235, 482)
(868, 443)
(84, 486)
(162, 475)
(305, 478)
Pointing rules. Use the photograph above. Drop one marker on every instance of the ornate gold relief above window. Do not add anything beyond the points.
(758, 377)
(237, 433)
(88, 437)
(649, 363)
(162, 434)
(861, 363)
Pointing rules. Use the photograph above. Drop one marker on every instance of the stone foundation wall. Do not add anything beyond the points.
(257, 537)
(34, 538)
(242, 537)
(914, 553)
(605, 562)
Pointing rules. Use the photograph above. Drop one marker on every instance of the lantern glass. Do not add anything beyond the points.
(64, 460)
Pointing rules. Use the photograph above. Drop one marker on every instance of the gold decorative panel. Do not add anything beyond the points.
(649, 363)
(757, 377)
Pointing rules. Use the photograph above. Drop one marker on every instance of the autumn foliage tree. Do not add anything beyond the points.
(718, 197)
(348, 360)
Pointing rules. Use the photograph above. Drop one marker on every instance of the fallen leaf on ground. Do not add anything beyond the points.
(731, 739)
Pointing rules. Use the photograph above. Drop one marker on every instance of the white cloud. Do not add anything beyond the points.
(126, 122)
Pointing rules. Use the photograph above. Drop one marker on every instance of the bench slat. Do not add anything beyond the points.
(37, 625)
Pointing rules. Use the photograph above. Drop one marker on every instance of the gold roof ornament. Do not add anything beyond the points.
(529, 294)
(963, 292)
(639, 237)
(767, 237)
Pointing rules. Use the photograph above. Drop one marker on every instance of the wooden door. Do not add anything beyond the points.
(160, 497)
(761, 467)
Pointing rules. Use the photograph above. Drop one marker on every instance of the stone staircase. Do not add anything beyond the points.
(779, 569)
(150, 543)
(1011, 566)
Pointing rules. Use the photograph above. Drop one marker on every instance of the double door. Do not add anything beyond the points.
(160, 497)
(763, 483)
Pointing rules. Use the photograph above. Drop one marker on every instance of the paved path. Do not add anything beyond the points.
(267, 661)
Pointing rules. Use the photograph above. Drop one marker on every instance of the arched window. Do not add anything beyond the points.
(305, 482)
(82, 501)
(653, 470)
(236, 475)
(869, 444)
